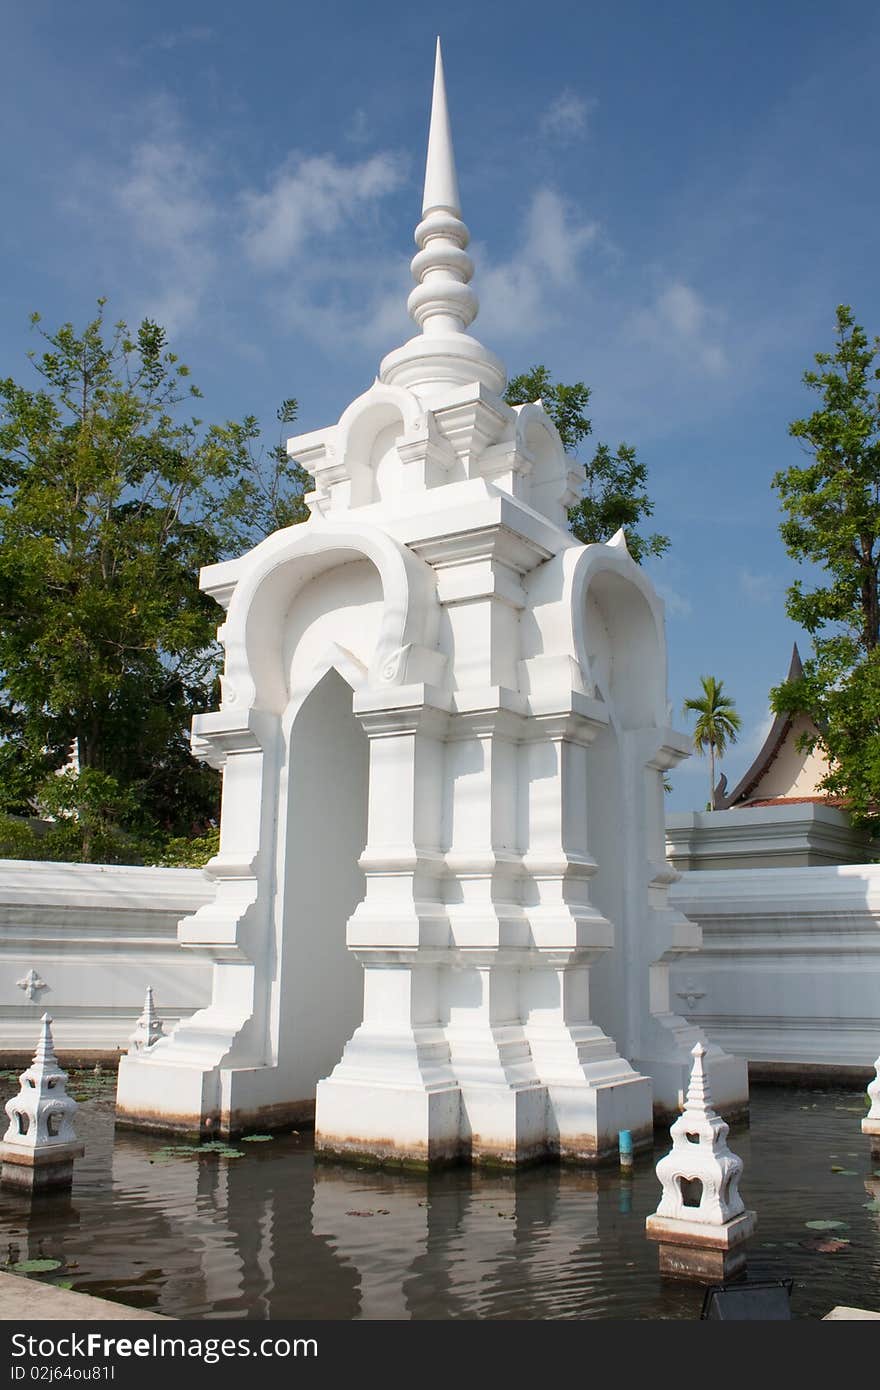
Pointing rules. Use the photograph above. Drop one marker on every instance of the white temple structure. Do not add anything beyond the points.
(441, 888)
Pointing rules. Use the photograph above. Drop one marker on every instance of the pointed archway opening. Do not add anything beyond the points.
(321, 886)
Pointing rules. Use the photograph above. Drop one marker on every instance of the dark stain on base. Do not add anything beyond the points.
(810, 1074)
(474, 1152)
(67, 1060)
(276, 1119)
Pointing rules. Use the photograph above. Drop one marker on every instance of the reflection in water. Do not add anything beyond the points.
(480, 1245)
(270, 1234)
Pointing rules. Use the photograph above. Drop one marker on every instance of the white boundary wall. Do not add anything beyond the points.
(789, 969)
(96, 935)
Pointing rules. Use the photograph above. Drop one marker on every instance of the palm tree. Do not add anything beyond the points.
(717, 724)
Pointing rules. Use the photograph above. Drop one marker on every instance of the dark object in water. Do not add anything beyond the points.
(767, 1300)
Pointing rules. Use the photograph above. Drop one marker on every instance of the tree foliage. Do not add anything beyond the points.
(111, 500)
(717, 724)
(832, 524)
(615, 493)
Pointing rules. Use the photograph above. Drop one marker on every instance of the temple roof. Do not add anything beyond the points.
(781, 732)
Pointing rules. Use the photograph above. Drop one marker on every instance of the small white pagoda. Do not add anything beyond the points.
(443, 734)
(149, 1027)
(40, 1146)
(871, 1122)
(701, 1223)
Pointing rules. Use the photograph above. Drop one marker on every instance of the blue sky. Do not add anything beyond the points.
(666, 202)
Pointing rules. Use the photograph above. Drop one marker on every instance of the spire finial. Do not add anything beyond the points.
(441, 183)
(45, 1053)
(698, 1095)
(442, 303)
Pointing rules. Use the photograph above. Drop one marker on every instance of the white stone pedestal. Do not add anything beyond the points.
(691, 1250)
(38, 1171)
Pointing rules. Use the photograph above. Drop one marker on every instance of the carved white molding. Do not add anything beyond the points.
(32, 985)
(691, 995)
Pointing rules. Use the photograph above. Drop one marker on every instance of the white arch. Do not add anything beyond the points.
(560, 620)
(533, 420)
(377, 409)
(279, 567)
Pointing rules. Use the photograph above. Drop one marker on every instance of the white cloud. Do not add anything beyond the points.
(172, 224)
(193, 33)
(310, 198)
(358, 131)
(679, 319)
(518, 294)
(566, 116)
(168, 211)
(758, 587)
(361, 302)
(677, 604)
(754, 738)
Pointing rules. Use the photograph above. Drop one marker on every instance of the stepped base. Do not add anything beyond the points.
(46, 1170)
(694, 1250)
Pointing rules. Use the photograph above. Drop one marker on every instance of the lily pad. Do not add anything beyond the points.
(873, 1205)
(845, 1172)
(35, 1266)
(826, 1225)
(825, 1245)
(257, 1138)
(169, 1152)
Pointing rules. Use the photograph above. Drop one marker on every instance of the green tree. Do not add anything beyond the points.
(717, 724)
(111, 500)
(614, 491)
(266, 489)
(832, 524)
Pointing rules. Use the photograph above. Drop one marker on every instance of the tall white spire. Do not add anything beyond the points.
(441, 183)
(442, 303)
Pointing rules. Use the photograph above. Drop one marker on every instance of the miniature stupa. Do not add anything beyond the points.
(149, 1027)
(40, 1145)
(871, 1122)
(701, 1222)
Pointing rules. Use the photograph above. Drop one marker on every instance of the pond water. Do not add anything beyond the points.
(272, 1234)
